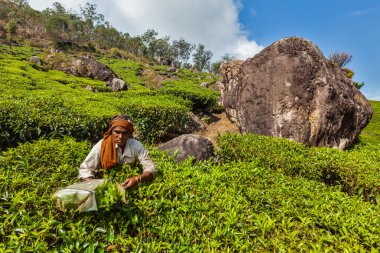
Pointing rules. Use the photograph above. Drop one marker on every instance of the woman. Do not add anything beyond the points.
(118, 147)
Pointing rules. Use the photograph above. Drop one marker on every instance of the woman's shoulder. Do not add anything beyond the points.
(135, 143)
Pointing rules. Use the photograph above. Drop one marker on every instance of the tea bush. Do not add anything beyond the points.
(32, 118)
(51, 103)
(357, 171)
(233, 207)
(268, 194)
(186, 84)
(128, 70)
(203, 99)
(371, 133)
(87, 118)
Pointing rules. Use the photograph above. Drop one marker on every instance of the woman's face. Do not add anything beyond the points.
(121, 135)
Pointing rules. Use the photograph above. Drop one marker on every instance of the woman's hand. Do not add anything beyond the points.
(131, 182)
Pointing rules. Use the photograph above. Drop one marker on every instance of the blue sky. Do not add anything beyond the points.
(242, 28)
(334, 26)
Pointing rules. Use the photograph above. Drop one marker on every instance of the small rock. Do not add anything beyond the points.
(117, 84)
(36, 60)
(184, 146)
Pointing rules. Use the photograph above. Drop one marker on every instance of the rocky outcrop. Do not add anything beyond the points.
(187, 145)
(228, 83)
(87, 67)
(291, 90)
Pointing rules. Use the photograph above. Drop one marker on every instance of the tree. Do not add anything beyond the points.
(358, 85)
(182, 50)
(11, 28)
(107, 36)
(341, 59)
(149, 39)
(90, 14)
(90, 18)
(21, 3)
(163, 50)
(215, 67)
(201, 57)
(135, 45)
(57, 23)
(57, 28)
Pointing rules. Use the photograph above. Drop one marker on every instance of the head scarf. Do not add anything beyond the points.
(108, 154)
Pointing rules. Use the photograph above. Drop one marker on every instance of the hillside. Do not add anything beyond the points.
(267, 194)
(264, 195)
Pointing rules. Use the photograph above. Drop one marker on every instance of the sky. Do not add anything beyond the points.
(242, 28)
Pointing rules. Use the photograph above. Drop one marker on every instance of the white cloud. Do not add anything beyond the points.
(210, 22)
(243, 48)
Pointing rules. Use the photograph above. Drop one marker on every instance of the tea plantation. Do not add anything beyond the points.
(265, 194)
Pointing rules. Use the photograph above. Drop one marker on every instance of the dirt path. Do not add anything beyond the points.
(219, 125)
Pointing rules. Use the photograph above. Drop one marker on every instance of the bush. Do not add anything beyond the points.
(32, 118)
(156, 116)
(238, 206)
(356, 171)
(54, 104)
(203, 99)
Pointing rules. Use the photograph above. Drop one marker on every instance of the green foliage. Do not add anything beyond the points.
(188, 87)
(371, 133)
(11, 28)
(358, 85)
(32, 118)
(127, 70)
(202, 57)
(156, 116)
(239, 207)
(182, 50)
(268, 195)
(356, 170)
(53, 104)
(203, 99)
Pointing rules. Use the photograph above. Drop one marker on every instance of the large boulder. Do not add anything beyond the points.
(291, 90)
(184, 146)
(82, 66)
(89, 67)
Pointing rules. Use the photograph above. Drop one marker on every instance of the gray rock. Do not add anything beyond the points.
(193, 124)
(88, 87)
(206, 84)
(199, 147)
(117, 84)
(171, 69)
(291, 90)
(36, 60)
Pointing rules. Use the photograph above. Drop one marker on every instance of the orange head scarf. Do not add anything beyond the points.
(108, 154)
